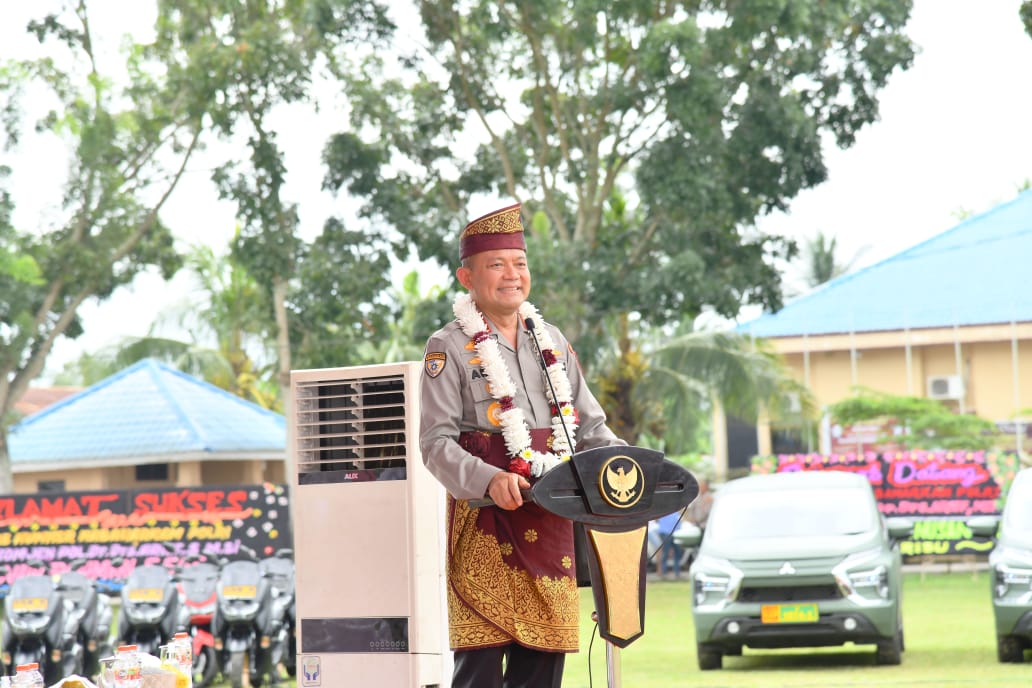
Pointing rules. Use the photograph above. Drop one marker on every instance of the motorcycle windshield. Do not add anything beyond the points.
(30, 594)
(199, 582)
(280, 574)
(148, 577)
(75, 586)
(240, 580)
(146, 584)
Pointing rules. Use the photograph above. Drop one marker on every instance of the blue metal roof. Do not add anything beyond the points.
(146, 409)
(972, 274)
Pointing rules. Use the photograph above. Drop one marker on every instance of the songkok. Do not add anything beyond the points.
(496, 230)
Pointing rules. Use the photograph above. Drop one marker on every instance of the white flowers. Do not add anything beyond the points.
(510, 417)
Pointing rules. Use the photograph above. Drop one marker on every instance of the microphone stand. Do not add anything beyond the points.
(530, 324)
(551, 389)
(612, 651)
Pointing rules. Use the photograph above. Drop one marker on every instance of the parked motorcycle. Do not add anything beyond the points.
(198, 590)
(39, 627)
(279, 571)
(150, 609)
(244, 624)
(90, 613)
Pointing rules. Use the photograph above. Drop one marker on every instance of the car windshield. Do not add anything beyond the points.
(792, 513)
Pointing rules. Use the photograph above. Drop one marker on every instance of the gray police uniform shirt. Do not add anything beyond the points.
(455, 399)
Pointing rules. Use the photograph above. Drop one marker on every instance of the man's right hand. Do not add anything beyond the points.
(504, 490)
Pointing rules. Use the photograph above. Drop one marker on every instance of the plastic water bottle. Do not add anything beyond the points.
(28, 676)
(35, 677)
(182, 653)
(127, 669)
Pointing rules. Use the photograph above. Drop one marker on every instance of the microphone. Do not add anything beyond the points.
(544, 366)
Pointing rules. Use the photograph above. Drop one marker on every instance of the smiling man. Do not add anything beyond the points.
(489, 428)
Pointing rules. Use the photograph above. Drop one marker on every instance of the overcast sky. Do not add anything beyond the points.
(954, 137)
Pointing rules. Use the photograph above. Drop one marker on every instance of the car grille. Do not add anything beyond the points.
(798, 593)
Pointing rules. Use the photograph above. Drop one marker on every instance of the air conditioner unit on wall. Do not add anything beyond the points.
(945, 387)
(368, 531)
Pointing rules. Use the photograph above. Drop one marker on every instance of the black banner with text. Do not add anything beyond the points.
(115, 531)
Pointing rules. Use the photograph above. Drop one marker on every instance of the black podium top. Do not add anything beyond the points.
(615, 488)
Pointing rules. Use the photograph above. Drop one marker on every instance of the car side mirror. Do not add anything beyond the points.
(899, 528)
(983, 525)
(687, 535)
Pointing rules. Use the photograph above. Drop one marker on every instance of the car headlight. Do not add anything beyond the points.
(871, 581)
(1013, 581)
(862, 579)
(715, 582)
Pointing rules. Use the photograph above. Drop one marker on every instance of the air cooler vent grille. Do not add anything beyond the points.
(351, 430)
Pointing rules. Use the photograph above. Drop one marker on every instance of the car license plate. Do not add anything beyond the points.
(239, 592)
(30, 604)
(146, 595)
(788, 613)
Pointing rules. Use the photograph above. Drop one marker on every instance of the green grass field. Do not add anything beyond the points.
(947, 621)
(948, 629)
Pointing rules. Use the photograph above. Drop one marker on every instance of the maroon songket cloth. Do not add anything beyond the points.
(512, 573)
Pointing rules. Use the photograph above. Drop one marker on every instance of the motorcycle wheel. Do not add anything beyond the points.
(205, 667)
(236, 669)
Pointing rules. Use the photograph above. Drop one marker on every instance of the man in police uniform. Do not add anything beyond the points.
(490, 426)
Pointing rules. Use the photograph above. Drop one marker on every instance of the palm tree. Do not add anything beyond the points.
(227, 328)
(402, 344)
(674, 377)
(821, 262)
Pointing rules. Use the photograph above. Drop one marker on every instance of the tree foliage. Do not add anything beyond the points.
(228, 326)
(643, 139)
(926, 423)
(130, 138)
(711, 113)
(250, 60)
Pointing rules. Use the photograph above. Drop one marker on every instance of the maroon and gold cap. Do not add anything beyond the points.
(496, 230)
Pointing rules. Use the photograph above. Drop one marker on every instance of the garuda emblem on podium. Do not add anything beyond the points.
(620, 481)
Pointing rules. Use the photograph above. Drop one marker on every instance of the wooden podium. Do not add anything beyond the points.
(613, 493)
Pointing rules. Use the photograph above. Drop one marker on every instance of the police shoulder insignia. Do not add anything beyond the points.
(434, 362)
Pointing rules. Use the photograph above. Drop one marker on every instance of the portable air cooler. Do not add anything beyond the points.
(368, 531)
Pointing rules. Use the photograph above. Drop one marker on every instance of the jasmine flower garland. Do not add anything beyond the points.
(522, 459)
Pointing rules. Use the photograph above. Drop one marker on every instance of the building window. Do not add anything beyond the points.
(152, 471)
(51, 486)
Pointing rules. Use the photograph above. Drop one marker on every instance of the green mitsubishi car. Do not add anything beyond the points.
(1011, 565)
(799, 559)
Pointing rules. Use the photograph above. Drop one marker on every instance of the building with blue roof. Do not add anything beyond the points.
(949, 318)
(152, 424)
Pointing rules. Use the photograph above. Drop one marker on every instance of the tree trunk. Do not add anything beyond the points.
(279, 300)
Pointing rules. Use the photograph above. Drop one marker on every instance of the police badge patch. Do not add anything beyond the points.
(434, 362)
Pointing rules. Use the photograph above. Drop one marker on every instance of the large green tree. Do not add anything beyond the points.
(250, 60)
(643, 138)
(129, 140)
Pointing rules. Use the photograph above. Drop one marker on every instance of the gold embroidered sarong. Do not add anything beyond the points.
(511, 573)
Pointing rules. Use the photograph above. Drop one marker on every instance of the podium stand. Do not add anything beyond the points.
(613, 493)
